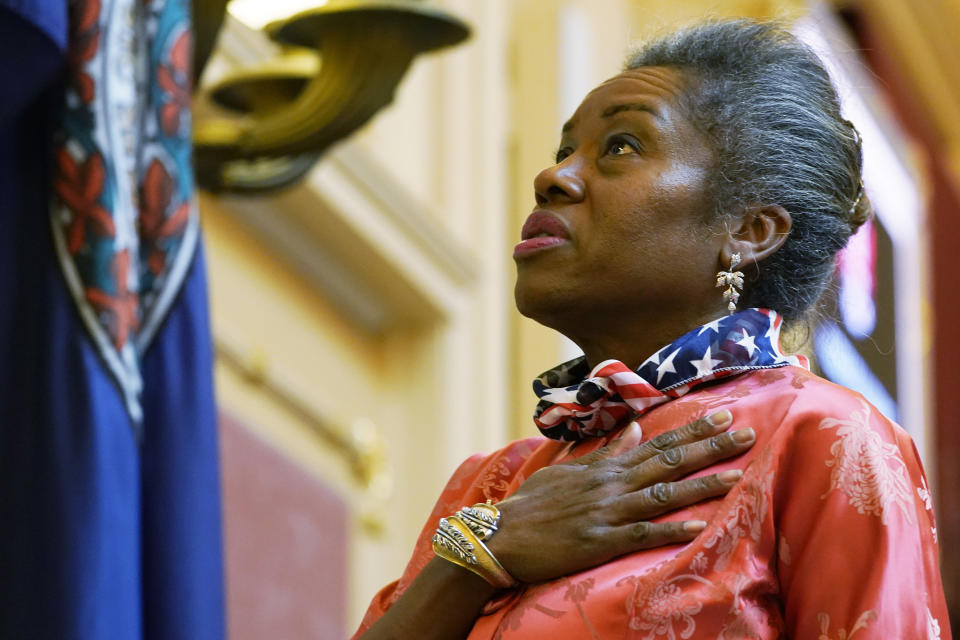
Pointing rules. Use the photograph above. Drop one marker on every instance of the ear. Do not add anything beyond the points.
(760, 231)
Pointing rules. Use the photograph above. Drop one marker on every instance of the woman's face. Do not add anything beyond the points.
(619, 231)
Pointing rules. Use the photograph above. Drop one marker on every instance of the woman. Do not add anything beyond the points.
(719, 148)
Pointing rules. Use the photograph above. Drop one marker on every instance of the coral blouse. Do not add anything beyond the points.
(830, 533)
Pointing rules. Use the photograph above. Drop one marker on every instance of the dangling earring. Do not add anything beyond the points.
(733, 280)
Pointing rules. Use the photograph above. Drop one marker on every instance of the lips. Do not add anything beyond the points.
(541, 231)
(544, 224)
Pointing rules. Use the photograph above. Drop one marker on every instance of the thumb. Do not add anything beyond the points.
(630, 438)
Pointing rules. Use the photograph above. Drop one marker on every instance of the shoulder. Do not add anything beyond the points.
(492, 476)
(811, 427)
(790, 402)
(835, 448)
(513, 454)
(777, 402)
(825, 413)
(804, 416)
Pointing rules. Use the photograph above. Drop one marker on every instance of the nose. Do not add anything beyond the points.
(561, 182)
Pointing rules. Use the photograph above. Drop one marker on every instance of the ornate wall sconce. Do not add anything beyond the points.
(342, 62)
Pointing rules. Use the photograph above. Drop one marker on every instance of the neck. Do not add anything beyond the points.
(634, 341)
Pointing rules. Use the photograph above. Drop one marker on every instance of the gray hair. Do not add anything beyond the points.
(765, 102)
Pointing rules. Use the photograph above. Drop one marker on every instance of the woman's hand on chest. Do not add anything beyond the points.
(577, 515)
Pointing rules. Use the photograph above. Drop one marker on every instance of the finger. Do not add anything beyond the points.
(645, 535)
(689, 433)
(627, 439)
(683, 460)
(664, 497)
(594, 456)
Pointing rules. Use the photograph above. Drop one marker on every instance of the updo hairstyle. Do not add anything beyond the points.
(766, 104)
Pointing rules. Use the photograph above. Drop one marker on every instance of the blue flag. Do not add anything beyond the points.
(109, 481)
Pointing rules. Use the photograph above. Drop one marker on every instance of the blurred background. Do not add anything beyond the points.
(366, 179)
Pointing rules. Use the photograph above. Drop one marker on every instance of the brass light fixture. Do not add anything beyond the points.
(342, 63)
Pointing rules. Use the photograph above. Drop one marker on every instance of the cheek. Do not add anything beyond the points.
(678, 204)
(652, 219)
(682, 187)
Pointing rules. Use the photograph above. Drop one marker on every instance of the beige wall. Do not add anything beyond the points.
(386, 297)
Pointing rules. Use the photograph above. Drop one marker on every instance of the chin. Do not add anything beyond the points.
(528, 299)
(546, 306)
(524, 301)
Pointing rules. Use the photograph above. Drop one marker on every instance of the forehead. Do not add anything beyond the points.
(654, 90)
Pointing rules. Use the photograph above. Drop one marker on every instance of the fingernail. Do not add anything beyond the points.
(625, 440)
(634, 425)
(720, 418)
(694, 526)
(730, 477)
(743, 436)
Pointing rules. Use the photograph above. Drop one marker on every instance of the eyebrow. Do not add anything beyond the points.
(615, 109)
(632, 106)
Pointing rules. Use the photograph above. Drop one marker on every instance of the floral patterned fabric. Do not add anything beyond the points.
(829, 535)
(124, 220)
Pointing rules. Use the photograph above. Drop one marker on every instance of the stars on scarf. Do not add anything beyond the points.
(578, 402)
(667, 366)
(773, 331)
(655, 358)
(773, 335)
(780, 358)
(706, 364)
(748, 342)
(713, 325)
(552, 395)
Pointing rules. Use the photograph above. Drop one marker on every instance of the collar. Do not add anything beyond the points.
(578, 402)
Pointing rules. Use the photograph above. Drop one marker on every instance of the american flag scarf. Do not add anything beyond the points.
(576, 402)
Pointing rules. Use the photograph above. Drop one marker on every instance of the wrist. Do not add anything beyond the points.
(460, 540)
(501, 544)
(459, 579)
(442, 602)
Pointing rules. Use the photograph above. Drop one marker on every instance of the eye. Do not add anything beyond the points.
(622, 146)
(562, 154)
